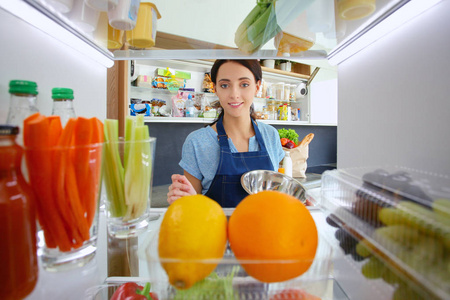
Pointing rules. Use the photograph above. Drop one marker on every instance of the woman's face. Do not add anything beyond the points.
(235, 88)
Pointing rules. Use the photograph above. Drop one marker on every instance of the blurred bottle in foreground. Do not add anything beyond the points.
(18, 254)
(23, 96)
(63, 104)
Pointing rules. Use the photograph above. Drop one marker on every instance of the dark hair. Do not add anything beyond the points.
(251, 64)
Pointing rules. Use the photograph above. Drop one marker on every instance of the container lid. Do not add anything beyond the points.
(158, 15)
(23, 87)
(353, 10)
(8, 130)
(62, 93)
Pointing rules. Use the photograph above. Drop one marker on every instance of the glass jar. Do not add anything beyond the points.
(19, 271)
(63, 104)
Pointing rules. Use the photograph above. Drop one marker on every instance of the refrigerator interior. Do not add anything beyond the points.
(393, 97)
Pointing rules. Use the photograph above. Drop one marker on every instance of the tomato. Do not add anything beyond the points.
(293, 294)
(284, 141)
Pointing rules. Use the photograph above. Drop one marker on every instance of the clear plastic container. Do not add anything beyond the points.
(395, 223)
(124, 15)
(242, 289)
(315, 281)
(144, 33)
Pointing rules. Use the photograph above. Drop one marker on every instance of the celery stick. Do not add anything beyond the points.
(261, 31)
(254, 14)
(137, 174)
(114, 172)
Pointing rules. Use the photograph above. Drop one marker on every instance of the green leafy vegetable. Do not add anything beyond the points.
(289, 134)
(212, 287)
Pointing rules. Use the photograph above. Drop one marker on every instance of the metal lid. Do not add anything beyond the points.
(8, 130)
(23, 87)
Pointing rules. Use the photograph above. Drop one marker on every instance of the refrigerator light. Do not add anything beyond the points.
(376, 31)
(66, 35)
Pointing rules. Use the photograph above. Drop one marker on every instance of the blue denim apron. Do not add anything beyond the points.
(226, 186)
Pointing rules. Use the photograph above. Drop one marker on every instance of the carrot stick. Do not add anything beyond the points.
(75, 203)
(55, 129)
(59, 165)
(94, 173)
(82, 138)
(39, 167)
(28, 141)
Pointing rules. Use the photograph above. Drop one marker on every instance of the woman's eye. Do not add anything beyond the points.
(224, 86)
(245, 84)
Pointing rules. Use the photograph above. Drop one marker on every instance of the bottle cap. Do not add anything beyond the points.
(9, 130)
(62, 93)
(23, 87)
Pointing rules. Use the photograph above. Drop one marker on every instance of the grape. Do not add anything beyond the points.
(373, 268)
(418, 217)
(363, 250)
(332, 220)
(442, 207)
(405, 291)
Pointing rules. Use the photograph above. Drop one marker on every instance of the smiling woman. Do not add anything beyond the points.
(215, 157)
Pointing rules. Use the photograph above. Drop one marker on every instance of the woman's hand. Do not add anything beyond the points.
(180, 187)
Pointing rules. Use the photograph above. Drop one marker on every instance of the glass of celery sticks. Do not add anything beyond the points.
(127, 176)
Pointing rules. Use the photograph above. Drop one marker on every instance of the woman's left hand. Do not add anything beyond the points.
(180, 187)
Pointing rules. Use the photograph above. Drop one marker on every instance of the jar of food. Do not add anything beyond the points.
(19, 271)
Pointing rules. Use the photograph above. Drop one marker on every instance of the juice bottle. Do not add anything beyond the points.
(63, 104)
(22, 103)
(19, 268)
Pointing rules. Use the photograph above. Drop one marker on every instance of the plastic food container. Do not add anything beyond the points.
(111, 284)
(109, 37)
(355, 9)
(102, 5)
(85, 17)
(315, 281)
(395, 224)
(63, 6)
(124, 15)
(288, 43)
(144, 33)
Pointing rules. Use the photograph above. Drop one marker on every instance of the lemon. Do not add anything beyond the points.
(194, 229)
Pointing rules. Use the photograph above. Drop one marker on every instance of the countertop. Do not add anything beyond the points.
(159, 193)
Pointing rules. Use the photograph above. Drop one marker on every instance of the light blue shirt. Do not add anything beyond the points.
(201, 152)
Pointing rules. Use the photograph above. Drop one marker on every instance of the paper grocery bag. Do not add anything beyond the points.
(299, 155)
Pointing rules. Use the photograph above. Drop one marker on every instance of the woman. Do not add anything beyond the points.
(215, 157)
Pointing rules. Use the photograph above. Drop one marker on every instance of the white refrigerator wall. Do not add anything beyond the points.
(29, 54)
(394, 98)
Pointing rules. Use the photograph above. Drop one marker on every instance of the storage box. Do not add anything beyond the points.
(144, 81)
(395, 223)
(229, 272)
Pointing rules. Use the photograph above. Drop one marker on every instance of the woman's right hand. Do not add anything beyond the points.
(180, 187)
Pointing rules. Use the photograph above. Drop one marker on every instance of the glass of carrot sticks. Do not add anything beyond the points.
(128, 171)
(64, 172)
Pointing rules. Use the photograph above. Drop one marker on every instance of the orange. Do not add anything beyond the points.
(273, 235)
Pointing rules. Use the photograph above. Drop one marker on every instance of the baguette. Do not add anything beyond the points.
(307, 139)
